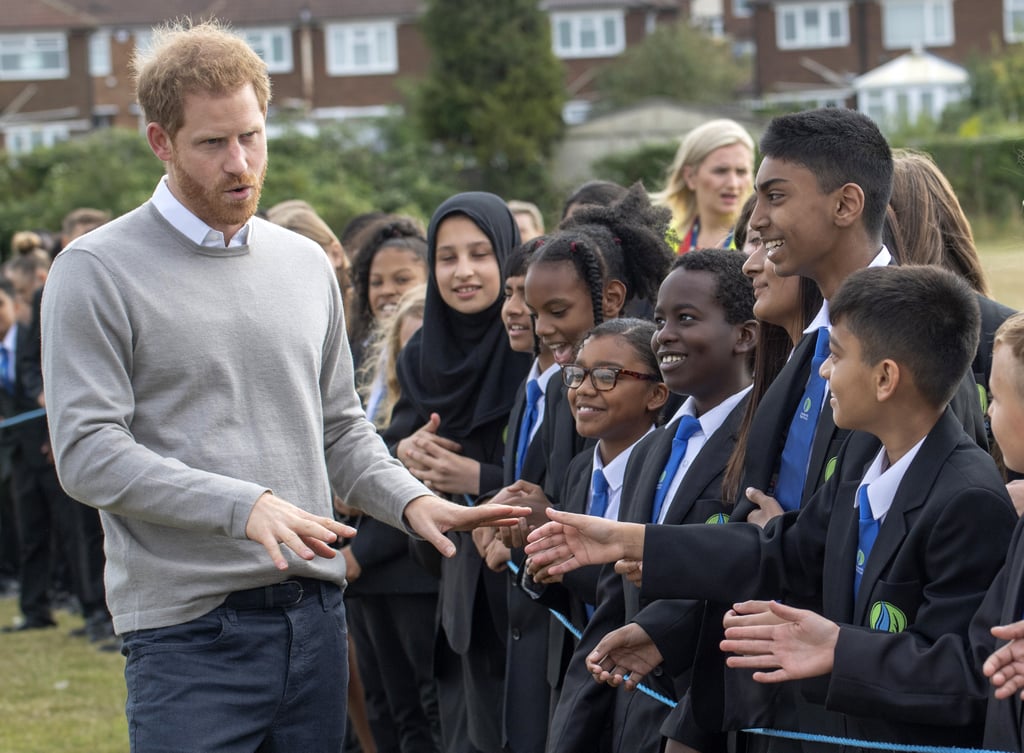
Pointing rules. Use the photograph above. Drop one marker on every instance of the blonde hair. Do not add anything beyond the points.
(187, 58)
(381, 359)
(25, 242)
(300, 217)
(693, 150)
(528, 207)
(1011, 334)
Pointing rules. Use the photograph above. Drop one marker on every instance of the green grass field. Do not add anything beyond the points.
(60, 693)
(1003, 259)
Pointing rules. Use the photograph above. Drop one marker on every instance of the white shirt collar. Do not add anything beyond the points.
(544, 377)
(713, 419)
(882, 259)
(615, 471)
(885, 482)
(193, 228)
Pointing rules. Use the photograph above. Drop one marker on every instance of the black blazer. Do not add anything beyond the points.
(938, 550)
(672, 624)
(22, 444)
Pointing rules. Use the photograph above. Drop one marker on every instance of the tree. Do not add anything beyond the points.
(676, 61)
(494, 91)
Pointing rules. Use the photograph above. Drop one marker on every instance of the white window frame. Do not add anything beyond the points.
(34, 45)
(926, 35)
(1013, 9)
(263, 40)
(380, 37)
(100, 63)
(802, 38)
(583, 22)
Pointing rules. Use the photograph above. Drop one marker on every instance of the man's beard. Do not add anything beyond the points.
(209, 203)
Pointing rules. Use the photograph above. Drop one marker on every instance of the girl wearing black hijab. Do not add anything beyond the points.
(458, 378)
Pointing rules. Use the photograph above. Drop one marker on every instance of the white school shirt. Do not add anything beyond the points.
(710, 422)
(884, 482)
(193, 228)
(614, 474)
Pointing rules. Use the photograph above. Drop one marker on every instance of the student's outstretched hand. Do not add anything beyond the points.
(524, 494)
(767, 507)
(792, 643)
(571, 541)
(624, 655)
(1005, 667)
(432, 517)
(273, 522)
(632, 570)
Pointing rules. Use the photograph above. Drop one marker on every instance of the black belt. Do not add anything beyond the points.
(285, 594)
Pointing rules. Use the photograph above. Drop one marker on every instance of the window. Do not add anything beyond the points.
(1013, 20)
(33, 57)
(23, 139)
(99, 54)
(274, 45)
(361, 49)
(917, 23)
(741, 8)
(812, 25)
(588, 35)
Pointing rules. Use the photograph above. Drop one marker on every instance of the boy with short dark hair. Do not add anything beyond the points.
(899, 554)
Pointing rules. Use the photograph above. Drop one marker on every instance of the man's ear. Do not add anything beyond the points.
(160, 141)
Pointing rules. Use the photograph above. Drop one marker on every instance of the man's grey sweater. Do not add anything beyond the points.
(184, 381)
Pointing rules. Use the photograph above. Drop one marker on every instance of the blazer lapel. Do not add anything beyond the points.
(638, 495)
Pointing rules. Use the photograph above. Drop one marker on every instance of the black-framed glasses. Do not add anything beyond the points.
(603, 378)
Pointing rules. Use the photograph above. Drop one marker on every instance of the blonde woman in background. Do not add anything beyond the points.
(708, 181)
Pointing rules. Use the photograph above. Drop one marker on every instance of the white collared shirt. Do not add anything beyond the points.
(883, 483)
(184, 221)
(710, 422)
(614, 474)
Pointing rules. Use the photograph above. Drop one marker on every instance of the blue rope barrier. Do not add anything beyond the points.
(575, 632)
(22, 418)
(870, 744)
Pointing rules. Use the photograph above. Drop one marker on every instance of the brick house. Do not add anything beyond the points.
(64, 63)
(810, 51)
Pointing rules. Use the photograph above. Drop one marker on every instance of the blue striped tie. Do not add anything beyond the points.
(797, 451)
(687, 426)
(526, 424)
(866, 537)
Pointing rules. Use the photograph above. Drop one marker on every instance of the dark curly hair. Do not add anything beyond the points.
(392, 231)
(733, 289)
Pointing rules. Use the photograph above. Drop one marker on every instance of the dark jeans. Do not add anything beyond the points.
(269, 680)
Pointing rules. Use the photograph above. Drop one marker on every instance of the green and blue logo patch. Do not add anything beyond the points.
(887, 617)
(717, 519)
